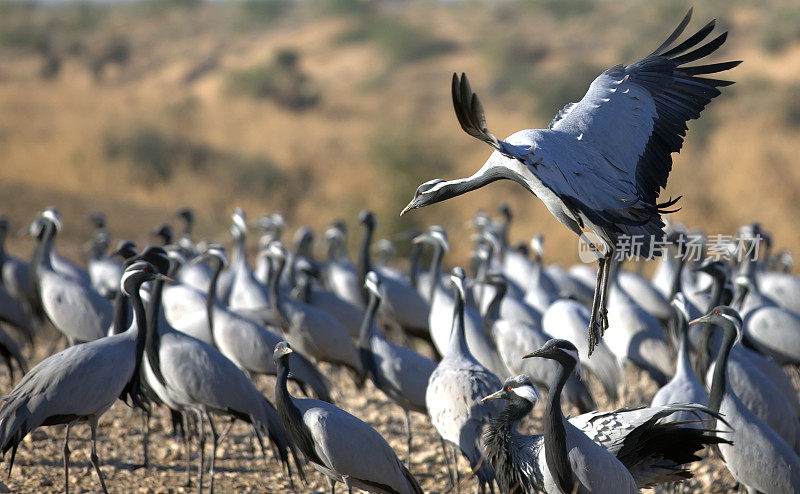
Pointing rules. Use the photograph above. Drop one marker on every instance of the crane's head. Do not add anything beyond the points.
(98, 219)
(367, 218)
(721, 315)
(373, 284)
(516, 388)
(430, 192)
(164, 232)
(186, 214)
(155, 255)
(435, 235)
(561, 351)
(138, 273)
(282, 351)
(239, 223)
(125, 249)
(215, 252)
(714, 268)
(457, 277)
(303, 240)
(51, 215)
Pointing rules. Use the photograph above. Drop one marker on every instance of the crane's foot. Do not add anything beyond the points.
(602, 316)
(594, 334)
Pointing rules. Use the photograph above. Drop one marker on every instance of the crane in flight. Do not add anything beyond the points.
(600, 165)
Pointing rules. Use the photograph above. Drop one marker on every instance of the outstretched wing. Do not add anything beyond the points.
(636, 115)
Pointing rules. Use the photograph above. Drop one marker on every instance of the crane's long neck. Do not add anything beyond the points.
(275, 293)
(684, 364)
(364, 261)
(675, 286)
(716, 293)
(366, 332)
(555, 436)
(121, 312)
(212, 295)
(436, 269)
(41, 257)
(3, 234)
(132, 388)
(413, 265)
(719, 381)
(153, 342)
(493, 311)
(458, 342)
(239, 254)
(487, 174)
(290, 414)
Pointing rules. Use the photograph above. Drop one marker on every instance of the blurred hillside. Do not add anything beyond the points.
(320, 109)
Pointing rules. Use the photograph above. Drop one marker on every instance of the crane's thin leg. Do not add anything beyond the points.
(227, 430)
(446, 459)
(602, 313)
(201, 432)
(215, 437)
(331, 484)
(187, 445)
(93, 457)
(594, 332)
(456, 477)
(408, 438)
(66, 460)
(145, 435)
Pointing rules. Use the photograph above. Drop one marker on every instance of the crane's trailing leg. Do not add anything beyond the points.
(598, 323)
(594, 331)
(66, 460)
(93, 457)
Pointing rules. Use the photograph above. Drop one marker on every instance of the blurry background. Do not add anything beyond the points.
(319, 109)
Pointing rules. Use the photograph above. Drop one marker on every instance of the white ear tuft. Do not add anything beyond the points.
(528, 392)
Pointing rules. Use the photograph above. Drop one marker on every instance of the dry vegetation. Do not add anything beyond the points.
(143, 107)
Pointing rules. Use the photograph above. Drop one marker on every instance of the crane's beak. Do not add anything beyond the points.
(537, 353)
(408, 207)
(705, 318)
(163, 277)
(494, 396)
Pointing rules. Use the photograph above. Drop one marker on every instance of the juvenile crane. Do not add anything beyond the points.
(602, 162)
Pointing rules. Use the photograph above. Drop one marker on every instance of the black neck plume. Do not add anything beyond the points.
(555, 437)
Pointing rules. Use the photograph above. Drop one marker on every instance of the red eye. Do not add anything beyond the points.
(555, 347)
(716, 312)
(419, 193)
(508, 388)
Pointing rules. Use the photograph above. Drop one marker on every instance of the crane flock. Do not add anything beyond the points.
(179, 327)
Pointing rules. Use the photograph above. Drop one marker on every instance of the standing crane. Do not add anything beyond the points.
(80, 383)
(602, 162)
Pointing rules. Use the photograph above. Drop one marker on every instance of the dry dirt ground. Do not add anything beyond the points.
(38, 465)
